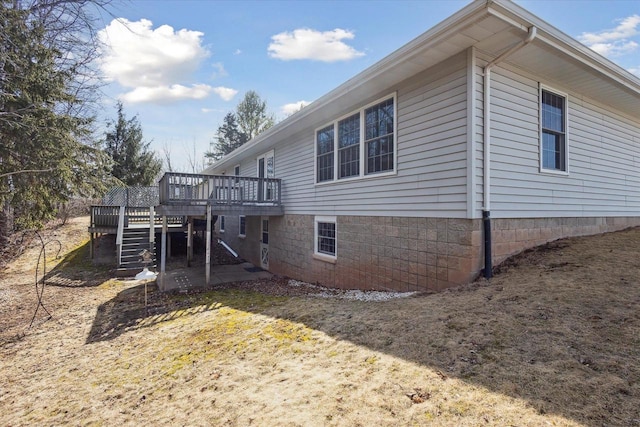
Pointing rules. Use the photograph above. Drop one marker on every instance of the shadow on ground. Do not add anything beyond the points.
(559, 333)
(76, 270)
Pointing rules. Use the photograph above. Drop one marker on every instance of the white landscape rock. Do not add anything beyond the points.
(355, 295)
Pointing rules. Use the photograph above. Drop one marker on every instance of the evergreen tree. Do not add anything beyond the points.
(46, 154)
(229, 138)
(249, 120)
(252, 115)
(133, 163)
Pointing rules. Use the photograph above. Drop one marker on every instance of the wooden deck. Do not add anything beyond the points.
(190, 194)
(105, 219)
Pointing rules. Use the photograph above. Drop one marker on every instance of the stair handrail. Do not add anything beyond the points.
(120, 233)
(152, 228)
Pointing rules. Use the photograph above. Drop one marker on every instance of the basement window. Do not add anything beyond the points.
(222, 224)
(325, 246)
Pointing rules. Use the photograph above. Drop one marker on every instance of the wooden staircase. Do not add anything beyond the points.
(134, 241)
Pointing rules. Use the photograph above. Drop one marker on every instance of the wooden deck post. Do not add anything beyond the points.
(208, 253)
(163, 253)
(91, 245)
(189, 240)
(168, 245)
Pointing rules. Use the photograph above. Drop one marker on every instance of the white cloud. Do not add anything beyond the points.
(615, 48)
(155, 64)
(237, 52)
(635, 70)
(137, 55)
(225, 93)
(315, 45)
(165, 94)
(219, 70)
(294, 107)
(616, 41)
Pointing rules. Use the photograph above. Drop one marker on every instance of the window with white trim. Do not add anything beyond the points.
(349, 146)
(363, 143)
(379, 137)
(324, 150)
(553, 134)
(222, 223)
(325, 236)
(242, 226)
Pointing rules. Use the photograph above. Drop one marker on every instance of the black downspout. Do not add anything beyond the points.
(486, 222)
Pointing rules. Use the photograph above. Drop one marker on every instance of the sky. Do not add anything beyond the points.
(180, 66)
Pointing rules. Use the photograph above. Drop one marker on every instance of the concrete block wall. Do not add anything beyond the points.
(247, 247)
(399, 253)
(383, 253)
(514, 235)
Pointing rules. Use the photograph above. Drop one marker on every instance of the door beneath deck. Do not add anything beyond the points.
(264, 243)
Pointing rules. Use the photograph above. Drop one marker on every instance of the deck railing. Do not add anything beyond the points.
(104, 216)
(109, 217)
(196, 189)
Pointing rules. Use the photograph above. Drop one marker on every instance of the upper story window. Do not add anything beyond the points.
(365, 143)
(379, 137)
(349, 146)
(324, 150)
(553, 131)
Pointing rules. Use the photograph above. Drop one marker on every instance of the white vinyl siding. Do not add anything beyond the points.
(604, 177)
(430, 179)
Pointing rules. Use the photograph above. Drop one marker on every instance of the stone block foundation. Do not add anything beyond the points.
(401, 253)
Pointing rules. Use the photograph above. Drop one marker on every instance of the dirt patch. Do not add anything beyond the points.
(552, 340)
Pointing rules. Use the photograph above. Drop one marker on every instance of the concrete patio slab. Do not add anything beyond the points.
(184, 279)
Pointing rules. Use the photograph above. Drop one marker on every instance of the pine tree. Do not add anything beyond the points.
(229, 138)
(46, 154)
(133, 163)
(249, 120)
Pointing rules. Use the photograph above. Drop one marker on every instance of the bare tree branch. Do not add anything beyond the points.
(27, 171)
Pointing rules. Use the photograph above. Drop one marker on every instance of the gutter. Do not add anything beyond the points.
(486, 209)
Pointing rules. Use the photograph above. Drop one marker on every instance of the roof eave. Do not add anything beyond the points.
(450, 25)
(516, 15)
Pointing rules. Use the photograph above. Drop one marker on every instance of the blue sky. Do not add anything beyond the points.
(182, 65)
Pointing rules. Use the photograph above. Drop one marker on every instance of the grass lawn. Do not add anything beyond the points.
(553, 339)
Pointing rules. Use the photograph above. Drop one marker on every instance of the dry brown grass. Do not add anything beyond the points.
(552, 340)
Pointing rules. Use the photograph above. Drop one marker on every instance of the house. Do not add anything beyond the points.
(490, 133)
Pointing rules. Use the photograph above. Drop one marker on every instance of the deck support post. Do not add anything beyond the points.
(189, 241)
(91, 245)
(208, 253)
(163, 253)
